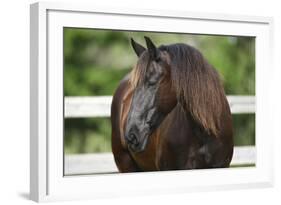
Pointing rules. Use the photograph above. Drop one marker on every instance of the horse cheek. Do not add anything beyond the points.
(168, 100)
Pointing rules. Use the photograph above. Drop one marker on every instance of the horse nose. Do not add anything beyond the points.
(132, 139)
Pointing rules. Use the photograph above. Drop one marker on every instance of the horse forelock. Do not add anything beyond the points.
(197, 85)
(138, 73)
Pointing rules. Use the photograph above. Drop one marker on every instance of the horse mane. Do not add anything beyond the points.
(196, 83)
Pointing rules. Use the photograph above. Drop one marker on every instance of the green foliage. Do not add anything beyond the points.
(87, 135)
(96, 60)
(244, 129)
(92, 81)
(234, 58)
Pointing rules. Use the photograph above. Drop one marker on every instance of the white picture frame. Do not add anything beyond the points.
(47, 182)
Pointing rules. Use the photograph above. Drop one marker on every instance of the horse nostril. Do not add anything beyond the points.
(133, 139)
(132, 136)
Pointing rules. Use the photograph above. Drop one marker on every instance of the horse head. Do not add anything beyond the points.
(153, 97)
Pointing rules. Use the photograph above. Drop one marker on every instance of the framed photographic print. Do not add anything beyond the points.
(123, 97)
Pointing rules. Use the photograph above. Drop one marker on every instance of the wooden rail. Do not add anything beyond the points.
(104, 163)
(99, 106)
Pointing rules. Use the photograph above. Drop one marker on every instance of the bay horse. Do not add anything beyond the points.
(170, 112)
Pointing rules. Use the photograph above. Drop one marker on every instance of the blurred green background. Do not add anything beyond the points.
(96, 60)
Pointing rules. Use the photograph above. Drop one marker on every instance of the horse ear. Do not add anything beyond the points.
(139, 49)
(152, 50)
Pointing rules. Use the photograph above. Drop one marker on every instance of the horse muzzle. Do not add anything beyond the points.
(134, 144)
(132, 139)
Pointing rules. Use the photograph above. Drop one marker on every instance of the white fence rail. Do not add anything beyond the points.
(104, 162)
(99, 106)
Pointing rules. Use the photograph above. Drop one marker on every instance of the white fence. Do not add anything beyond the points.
(104, 162)
(99, 106)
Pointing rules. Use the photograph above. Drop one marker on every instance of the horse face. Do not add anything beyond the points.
(152, 100)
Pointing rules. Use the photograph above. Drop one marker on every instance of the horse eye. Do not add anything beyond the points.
(149, 123)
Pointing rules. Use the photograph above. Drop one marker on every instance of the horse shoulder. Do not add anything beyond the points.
(122, 157)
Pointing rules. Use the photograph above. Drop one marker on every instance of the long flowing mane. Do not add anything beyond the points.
(196, 82)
